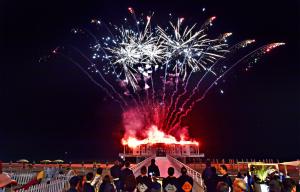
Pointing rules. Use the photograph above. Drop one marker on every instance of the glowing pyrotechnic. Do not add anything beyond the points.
(148, 69)
(153, 136)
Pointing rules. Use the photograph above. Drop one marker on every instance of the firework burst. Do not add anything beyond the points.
(157, 74)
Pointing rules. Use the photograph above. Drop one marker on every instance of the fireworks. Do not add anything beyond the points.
(157, 74)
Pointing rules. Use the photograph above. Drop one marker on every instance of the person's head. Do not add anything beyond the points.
(239, 185)
(289, 185)
(106, 179)
(74, 181)
(213, 170)
(222, 187)
(248, 174)
(183, 171)
(171, 171)
(117, 163)
(208, 163)
(89, 176)
(127, 164)
(152, 161)
(223, 169)
(239, 175)
(144, 170)
(99, 171)
(275, 186)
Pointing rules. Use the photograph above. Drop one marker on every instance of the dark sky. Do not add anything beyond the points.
(50, 108)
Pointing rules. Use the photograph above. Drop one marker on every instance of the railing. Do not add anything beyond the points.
(138, 166)
(53, 186)
(197, 177)
(22, 178)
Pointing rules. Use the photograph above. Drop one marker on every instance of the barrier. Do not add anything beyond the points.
(53, 186)
(197, 177)
(22, 178)
(138, 166)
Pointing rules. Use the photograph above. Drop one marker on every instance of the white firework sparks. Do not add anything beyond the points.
(191, 49)
(135, 53)
(152, 69)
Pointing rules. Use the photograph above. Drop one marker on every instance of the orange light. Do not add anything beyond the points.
(156, 136)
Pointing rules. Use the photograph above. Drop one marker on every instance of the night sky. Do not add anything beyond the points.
(49, 108)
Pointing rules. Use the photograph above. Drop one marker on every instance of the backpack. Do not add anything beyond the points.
(142, 187)
(129, 183)
(170, 188)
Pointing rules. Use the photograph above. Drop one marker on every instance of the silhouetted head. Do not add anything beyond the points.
(213, 170)
(208, 163)
(106, 179)
(275, 186)
(152, 161)
(171, 171)
(99, 171)
(144, 170)
(289, 185)
(89, 176)
(222, 187)
(117, 162)
(127, 164)
(223, 169)
(183, 171)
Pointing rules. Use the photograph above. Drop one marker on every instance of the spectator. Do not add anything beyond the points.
(97, 179)
(106, 170)
(74, 181)
(239, 185)
(212, 181)
(80, 184)
(249, 181)
(153, 169)
(222, 187)
(106, 185)
(87, 187)
(144, 183)
(225, 177)
(185, 182)
(115, 172)
(169, 183)
(207, 172)
(128, 182)
(289, 185)
(275, 186)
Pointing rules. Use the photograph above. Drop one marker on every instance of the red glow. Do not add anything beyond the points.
(156, 136)
(212, 18)
(130, 9)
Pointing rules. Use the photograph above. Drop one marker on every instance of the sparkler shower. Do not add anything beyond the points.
(158, 74)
